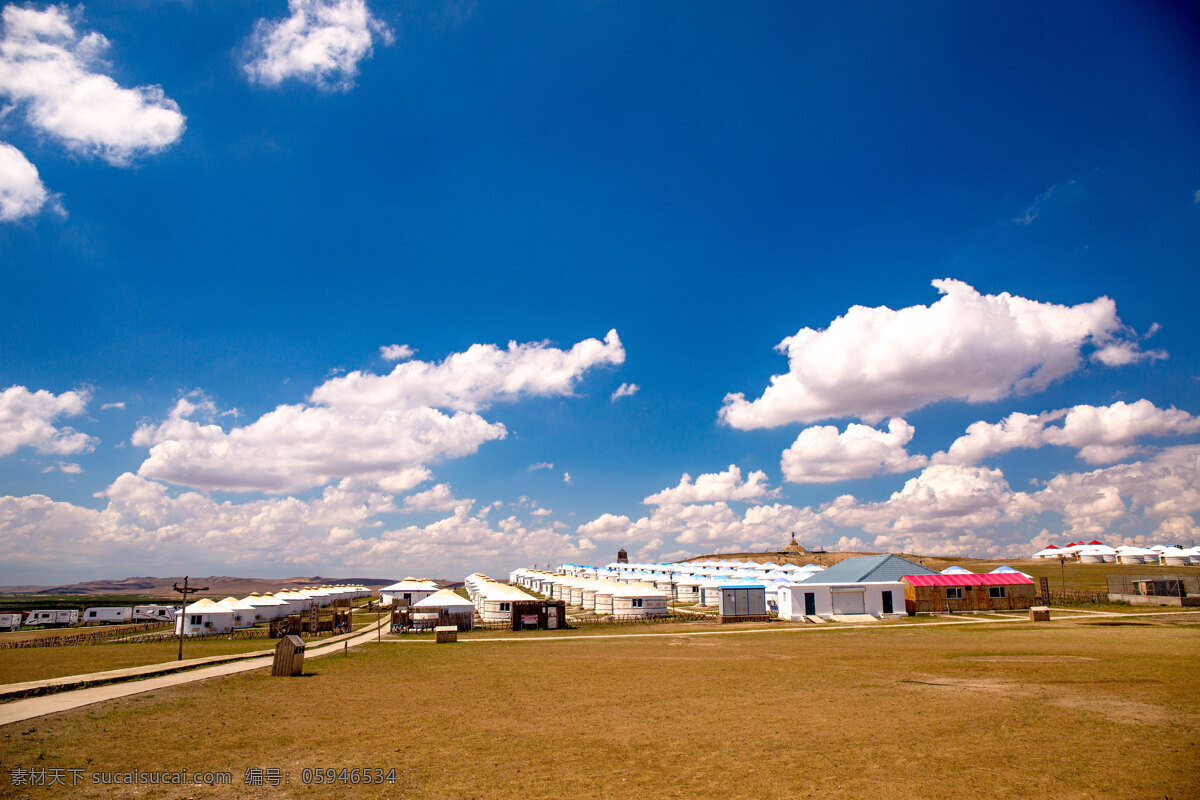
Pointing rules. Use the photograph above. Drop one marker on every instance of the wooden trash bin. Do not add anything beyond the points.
(1039, 613)
(289, 656)
(446, 633)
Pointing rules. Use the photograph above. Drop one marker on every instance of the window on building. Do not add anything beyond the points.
(195, 619)
(996, 592)
(637, 602)
(506, 606)
(954, 593)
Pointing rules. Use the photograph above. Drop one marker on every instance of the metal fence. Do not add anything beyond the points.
(1155, 585)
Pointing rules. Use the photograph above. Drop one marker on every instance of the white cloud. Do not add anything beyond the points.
(540, 465)
(66, 467)
(474, 379)
(624, 390)
(1035, 208)
(876, 362)
(727, 485)
(707, 524)
(567, 479)
(437, 498)
(22, 193)
(822, 455)
(27, 420)
(381, 428)
(541, 512)
(321, 42)
(1177, 530)
(1196, 197)
(1101, 434)
(942, 498)
(1167, 485)
(396, 352)
(55, 72)
(119, 405)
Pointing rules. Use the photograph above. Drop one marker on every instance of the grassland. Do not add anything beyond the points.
(35, 663)
(1065, 710)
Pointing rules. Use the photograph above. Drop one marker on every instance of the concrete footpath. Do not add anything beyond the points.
(163, 675)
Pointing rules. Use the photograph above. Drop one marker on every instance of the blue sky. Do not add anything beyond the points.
(213, 216)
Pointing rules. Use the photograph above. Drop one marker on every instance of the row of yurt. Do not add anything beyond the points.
(205, 616)
(684, 582)
(1094, 552)
(493, 600)
(600, 595)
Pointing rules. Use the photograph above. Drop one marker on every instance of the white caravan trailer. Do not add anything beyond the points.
(153, 613)
(55, 617)
(10, 622)
(107, 615)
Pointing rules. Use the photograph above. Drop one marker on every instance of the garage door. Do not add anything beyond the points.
(850, 602)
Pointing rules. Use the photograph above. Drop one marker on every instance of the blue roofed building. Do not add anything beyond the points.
(858, 588)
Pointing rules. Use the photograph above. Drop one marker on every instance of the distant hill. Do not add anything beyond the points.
(218, 585)
(830, 558)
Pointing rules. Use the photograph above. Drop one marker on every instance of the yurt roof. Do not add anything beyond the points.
(206, 606)
(411, 585)
(444, 598)
(956, 570)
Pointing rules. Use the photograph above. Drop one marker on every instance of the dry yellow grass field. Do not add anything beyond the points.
(1101, 708)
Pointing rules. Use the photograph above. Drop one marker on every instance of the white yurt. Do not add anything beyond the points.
(1175, 557)
(204, 617)
(450, 602)
(243, 612)
(639, 600)
(411, 589)
(956, 570)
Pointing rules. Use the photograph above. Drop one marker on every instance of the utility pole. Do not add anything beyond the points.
(185, 591)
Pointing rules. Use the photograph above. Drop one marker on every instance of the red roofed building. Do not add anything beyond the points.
(947, 594)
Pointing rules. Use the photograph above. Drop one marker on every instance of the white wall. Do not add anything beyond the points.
(791, 598)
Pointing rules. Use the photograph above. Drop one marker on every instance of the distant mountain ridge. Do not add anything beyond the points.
(217, 585)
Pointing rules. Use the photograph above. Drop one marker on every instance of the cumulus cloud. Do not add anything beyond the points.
(727, 485)
(707, 524)
(942, 498)
(1101, 434)
(624, 390)
(567, 479)
(878, 362)
(56, 73)
(321, 42)
(396, 352)
(383, 429)
(437, 498)
(540, 465)
(1177, 530)
(118, 405)
(1167, 485)
(22, 193)
(823, 455)
(144, 525)
(27, 420)
(474, 379)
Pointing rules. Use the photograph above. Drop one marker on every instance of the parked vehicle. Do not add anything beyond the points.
(107, 615)
(153, 613)
(10, 622)
(53, 617)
